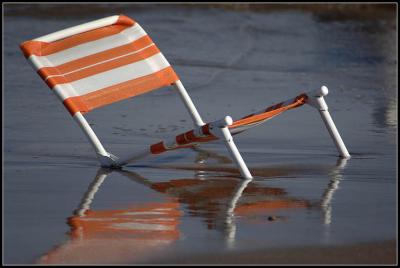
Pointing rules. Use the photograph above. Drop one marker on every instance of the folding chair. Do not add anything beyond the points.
(108, 60)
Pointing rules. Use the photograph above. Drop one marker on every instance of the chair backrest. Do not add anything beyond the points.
(99, 63)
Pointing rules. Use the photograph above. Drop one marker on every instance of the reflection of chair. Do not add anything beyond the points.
(101, 62)
(136, 230)
(153, 220)
(219, 202)
(153, 226)
(327, 197)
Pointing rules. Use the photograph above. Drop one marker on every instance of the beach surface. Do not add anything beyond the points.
(305, 205)
(370, 253)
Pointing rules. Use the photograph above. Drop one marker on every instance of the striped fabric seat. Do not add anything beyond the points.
(101, 66)
(204, 134)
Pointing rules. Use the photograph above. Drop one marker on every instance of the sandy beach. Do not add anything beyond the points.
(305, 204)
(373, 253)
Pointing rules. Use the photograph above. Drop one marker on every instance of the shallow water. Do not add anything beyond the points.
(59, 207)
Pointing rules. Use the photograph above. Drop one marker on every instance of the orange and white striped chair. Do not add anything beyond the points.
(104, 61)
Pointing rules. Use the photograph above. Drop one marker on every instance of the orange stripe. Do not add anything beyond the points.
(95, 58)
(192, 138)
(257, 117)
(75, 104)
(302, 98)
(181, 139)
(82, 38)
(124, 20)
(130, 88)
(270, 112)
(102, 67)
(108, 95)
(31, 47)
(189, 136)
(206, 129)
(158, 148)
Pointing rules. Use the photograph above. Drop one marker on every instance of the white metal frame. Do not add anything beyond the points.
(219, 128)
(316, 100)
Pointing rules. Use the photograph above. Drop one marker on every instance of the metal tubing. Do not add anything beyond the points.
(316, 100)
(84, 125)
(78, 29)
(235, 154)
(189, 104)
(337, 139)
(171, 142)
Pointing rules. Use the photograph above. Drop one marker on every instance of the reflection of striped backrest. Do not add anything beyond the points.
(154, 221)
(100, 66)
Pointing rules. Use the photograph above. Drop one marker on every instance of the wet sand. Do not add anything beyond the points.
(305, 205)
(373, 253)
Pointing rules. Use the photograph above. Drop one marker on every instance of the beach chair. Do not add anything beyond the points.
(108, 60)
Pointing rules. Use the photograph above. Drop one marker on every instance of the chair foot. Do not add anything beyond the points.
(109, 161)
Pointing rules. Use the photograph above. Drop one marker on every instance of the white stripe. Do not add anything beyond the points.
(64, 91)
(142, 226)
(78, 29)
(112, 77)
(125, 37)
(142, 213)
(101, 62)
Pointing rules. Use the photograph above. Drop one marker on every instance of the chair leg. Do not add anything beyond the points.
(235, 154)
(316, 100)
(105, 158)
(189, 104)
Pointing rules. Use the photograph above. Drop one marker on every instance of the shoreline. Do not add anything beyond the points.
(383, 252)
